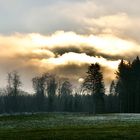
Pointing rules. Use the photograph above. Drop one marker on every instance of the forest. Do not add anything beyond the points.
(50, 95)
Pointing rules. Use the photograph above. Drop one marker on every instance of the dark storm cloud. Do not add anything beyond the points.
(70, 70)
(63, 50)
(87, 50)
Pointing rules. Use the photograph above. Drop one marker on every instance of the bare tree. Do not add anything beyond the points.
(13, 90)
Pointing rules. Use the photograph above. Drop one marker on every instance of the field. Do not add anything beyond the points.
(69, 126)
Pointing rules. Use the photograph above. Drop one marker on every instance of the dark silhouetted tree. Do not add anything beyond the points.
(112, 99)
(135, 84)
(123, 85)
(51, 91)
(39, 85)
(66, 90)
(95, 85)
(128, 86)
(13, 91)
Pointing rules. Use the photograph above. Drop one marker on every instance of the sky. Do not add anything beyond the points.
(63, 37)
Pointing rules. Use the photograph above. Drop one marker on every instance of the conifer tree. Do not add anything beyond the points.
(95, 85)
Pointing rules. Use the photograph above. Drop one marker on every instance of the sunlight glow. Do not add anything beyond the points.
(75, 58)
(80, 80)
(106, 44)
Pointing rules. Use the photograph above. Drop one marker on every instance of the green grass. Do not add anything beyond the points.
(69, 126)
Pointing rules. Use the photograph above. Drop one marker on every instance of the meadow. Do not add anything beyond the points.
(69, 126)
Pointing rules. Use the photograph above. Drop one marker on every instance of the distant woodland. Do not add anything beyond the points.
(51, 95)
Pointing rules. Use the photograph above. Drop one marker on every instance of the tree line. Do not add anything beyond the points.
(52, 94)
(127, 86)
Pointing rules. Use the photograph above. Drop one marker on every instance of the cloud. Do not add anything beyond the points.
(65, 36)
(103, 43)
(37, 45)
(78, 59)
(119, 18)
(74, 66)
(49, 16)
(66, 54)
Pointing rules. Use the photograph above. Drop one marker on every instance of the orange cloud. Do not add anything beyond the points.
(34, 53)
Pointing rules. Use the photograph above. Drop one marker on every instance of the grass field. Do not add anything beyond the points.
(69, 126)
